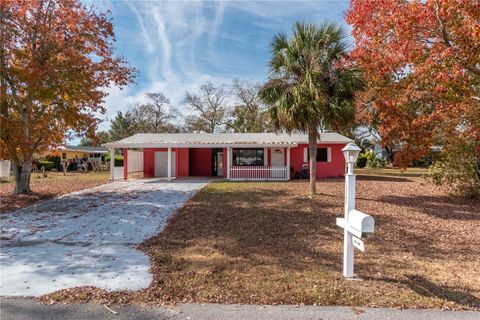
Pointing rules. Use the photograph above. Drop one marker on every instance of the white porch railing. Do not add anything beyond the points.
(259, 173)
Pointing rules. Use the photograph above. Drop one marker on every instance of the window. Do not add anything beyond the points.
(64, 155)
(248, 157)
(322, 155)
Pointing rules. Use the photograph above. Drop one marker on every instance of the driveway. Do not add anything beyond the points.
(87, 237)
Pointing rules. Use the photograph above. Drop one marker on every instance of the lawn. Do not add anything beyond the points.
(53, 185)
(268, 243)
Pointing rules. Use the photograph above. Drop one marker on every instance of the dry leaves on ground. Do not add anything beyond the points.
(269, 243)
(43, 188)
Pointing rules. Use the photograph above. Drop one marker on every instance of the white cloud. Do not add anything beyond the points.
(175, 44)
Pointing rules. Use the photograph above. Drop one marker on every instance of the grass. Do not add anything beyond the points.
(46, 187)
(269, 243)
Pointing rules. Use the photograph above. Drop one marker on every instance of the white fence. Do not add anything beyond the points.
(260, 173)
(134, 161)
(5, 169)
(117, 173)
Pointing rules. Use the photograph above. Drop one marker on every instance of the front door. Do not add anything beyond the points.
(278, 160)
(161, 164)
(220, 164)
(217, 162)
(278, 156)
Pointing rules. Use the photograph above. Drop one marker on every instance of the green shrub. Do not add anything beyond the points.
(381, 162)
(48, 165)
(362, 161)
(458, 169)
(118, 159)
(56, 161)
(371, 159)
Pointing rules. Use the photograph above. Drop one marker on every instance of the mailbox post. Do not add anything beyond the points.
(355, 224)
(350, 152)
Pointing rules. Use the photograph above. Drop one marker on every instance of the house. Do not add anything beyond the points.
(234, 156)
(91, 154)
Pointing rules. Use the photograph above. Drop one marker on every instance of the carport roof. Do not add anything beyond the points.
(159, 140)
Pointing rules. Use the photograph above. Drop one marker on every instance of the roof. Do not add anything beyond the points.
(149, 140)
(85, 149)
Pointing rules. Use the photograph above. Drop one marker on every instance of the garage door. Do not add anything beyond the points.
(161, 164)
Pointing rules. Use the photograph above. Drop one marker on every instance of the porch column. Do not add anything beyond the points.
(229, 161)
(288, 163)
(169, 166)
(112, 164)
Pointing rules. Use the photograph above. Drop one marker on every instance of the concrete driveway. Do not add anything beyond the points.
(87, 237)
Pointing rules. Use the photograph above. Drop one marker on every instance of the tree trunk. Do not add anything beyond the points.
(312, 145)
(22, 172)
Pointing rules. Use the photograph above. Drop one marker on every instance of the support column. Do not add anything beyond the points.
(229, 162)
(348, 254)
(125, 164)
(288, 163)
(169, 166)
(112, 164)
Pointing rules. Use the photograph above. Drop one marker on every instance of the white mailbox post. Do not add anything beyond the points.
(356, 224)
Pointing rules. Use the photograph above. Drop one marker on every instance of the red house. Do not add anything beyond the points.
(234, 156)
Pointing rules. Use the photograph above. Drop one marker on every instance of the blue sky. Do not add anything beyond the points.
(178, 45)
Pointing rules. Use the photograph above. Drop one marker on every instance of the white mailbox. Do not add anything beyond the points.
(361, 222)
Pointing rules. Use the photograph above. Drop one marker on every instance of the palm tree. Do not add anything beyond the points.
(311, 86)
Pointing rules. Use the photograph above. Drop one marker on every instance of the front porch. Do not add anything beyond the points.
(234, 163)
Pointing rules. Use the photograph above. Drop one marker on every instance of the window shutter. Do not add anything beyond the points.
(305, 155)
(329, 154)
(265, 156)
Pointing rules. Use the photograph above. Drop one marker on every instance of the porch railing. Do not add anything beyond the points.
(258, 173)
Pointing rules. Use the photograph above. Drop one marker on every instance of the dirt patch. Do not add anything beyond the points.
(43, 188)
(269, 243)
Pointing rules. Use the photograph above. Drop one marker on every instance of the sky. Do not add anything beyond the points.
(178, 45)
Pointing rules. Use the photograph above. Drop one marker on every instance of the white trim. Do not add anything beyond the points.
(229, 161)
(329, 154)
(112, 164)
(288, 163)
(169, 163)
(133, 145)
(305, 155)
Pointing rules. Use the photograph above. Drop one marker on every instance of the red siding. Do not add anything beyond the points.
(200, 163)
(181, 161)
(335, 168)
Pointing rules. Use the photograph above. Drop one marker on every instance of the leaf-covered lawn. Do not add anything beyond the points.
(42, 188)
(268, 243)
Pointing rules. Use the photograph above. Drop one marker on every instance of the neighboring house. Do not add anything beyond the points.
(92, 154)
(235, 156)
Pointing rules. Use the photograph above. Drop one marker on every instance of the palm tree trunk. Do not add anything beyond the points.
(312, 145)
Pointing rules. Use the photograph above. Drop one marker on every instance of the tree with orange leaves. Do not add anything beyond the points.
(56, 59)
(421, 60)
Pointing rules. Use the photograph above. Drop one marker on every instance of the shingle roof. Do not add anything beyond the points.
(144, 140)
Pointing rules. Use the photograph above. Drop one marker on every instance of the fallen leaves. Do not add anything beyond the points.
(43, 188)
(267, 243)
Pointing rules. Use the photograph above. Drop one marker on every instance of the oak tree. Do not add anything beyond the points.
(56, 59)
(422, 64)
(210, 108)
(249, 113)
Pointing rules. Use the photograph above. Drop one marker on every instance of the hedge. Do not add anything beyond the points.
(48, 165)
